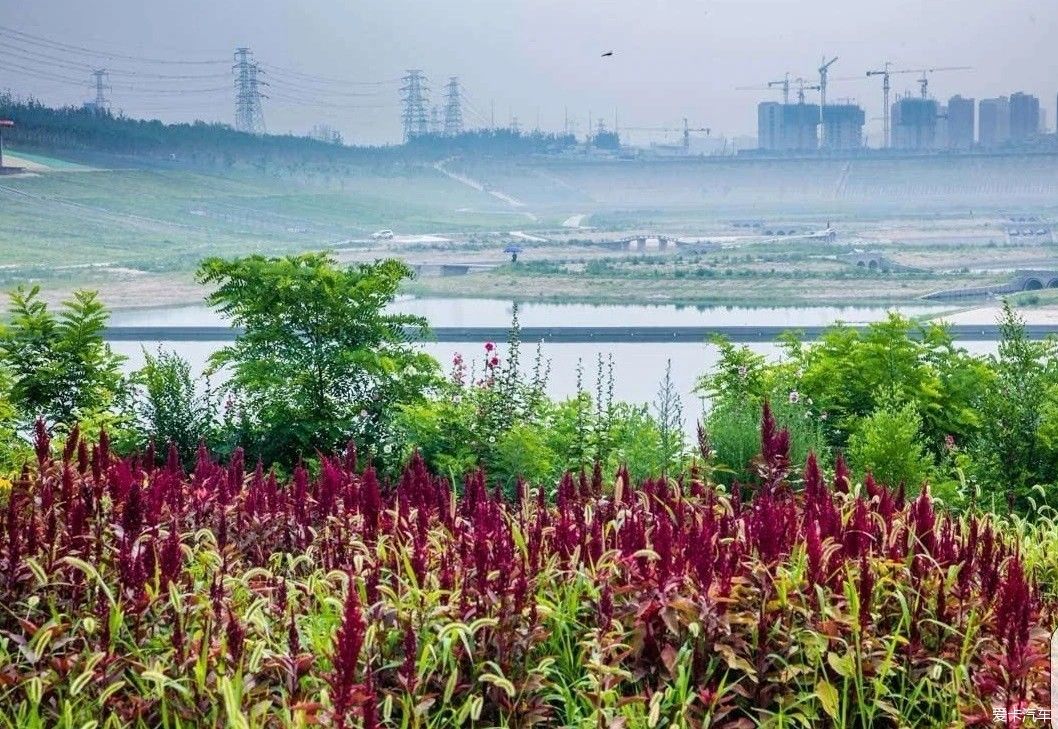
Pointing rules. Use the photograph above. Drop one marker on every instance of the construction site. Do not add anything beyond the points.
(911, 122)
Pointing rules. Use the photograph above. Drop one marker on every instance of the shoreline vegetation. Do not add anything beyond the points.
(1033, 305)
(348, 533)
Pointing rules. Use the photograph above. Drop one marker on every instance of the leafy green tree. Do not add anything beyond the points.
(848, 375)
(170, 409)
(740, 374)
(1012, 450)
(60, 367)
(319, 360)
(888, 444)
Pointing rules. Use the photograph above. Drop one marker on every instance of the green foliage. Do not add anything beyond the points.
(909, 405)
(669, 410)
(1017, 449)
(848, 374)
(13, 451)
(733, 428)
(888, 444)
(170, 409)
(523, 452)
(60, 368)
(319, 361)
(501, 418)
(740, 375)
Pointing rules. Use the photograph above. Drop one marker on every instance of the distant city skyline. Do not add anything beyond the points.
(531, 60)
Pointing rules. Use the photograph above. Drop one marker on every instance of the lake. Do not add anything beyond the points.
(638, 368)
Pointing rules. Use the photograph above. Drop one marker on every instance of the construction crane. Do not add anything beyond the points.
(824, 69)
(802, 87)
(686, 130)
(923, 82)
(785, 84)
(885, 72)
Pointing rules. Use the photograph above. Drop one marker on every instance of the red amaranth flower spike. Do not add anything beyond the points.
(346, 654)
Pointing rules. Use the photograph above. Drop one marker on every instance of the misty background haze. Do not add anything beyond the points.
(533, 60)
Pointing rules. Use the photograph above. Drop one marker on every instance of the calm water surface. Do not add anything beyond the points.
(638, 368)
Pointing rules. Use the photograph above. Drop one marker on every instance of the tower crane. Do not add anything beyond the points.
(824, 69)
(785, 84)
(923, 81)
(885, 72)
(686, 130)
(803, 86)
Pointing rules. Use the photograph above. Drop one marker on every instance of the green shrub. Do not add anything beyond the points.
(733, 430)
(888, 444)
(60, 368)
(169, 409)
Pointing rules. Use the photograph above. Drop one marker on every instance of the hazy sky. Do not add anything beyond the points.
(673, 58)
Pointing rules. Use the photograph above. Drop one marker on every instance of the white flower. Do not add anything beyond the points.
(363, 413)
(457, 399)
(387, 448)
(794, 397)
(743, 371)
(492, 439)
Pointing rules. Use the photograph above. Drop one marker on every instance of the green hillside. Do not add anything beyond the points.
(167, 219)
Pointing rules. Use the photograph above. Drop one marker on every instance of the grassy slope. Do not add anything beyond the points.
(165, 219)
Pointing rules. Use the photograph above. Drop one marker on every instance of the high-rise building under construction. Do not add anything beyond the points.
(993, 122)
(1024, 117)
(795, 127)
(769, 126)
(843, 126)
(914, 123)
(960, 122)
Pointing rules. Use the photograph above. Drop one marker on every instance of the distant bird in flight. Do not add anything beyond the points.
(607, 54)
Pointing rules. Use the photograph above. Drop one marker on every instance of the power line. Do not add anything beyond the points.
(279, 83)
(323, 80)
(303, 101)
(36, 56)
(41, 41)
(54, 76)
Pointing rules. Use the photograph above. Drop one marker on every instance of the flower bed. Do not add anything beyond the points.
(144, 596)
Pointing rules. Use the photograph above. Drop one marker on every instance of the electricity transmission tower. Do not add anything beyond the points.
(101, 103)
(413, 96)
(453, 108)
(248, 114)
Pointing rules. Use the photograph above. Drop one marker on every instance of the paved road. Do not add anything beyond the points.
(600, 335)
